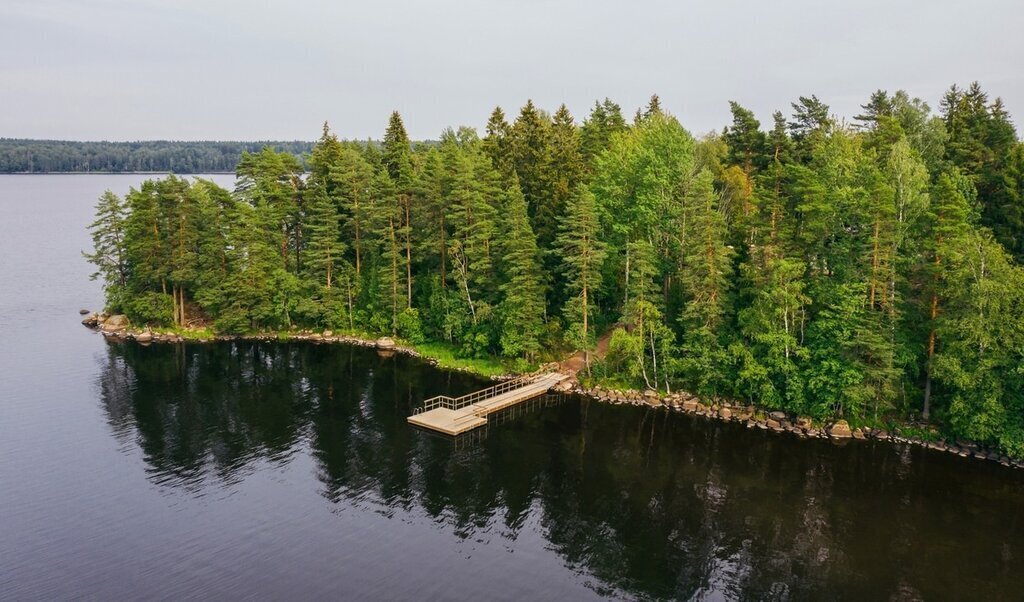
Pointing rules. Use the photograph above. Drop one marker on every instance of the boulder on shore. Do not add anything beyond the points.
(652, 398)
(385, 343)
(144, 337)
(92, 320)
(117, 322)
(841, 430)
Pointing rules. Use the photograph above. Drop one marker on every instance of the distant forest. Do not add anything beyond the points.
(47, 156)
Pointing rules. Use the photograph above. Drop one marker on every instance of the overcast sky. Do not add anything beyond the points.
(247, 70)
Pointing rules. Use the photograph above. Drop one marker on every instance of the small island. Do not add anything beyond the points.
(814, 271)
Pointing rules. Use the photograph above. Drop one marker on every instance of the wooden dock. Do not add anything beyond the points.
(456, 415)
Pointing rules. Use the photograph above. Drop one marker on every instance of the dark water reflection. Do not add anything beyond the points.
(633, 502)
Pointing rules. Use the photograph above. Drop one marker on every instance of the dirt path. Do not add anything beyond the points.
(577, 362)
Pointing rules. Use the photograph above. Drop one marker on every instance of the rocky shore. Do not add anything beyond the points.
(118, 328)
(780, 422)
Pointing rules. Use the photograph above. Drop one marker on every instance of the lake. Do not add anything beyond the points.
(280, 471)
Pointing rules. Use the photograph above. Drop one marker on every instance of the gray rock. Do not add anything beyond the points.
(82, 312)
(777, 416)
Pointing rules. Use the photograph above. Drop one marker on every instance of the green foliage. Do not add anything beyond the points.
(865, 273)
(146, 308)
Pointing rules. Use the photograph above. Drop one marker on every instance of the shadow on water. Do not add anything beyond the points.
(647, 503)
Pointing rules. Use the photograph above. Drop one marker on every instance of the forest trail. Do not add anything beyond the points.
(576, 362)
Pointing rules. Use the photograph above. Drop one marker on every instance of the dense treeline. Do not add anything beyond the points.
(57, 156)
(860, 271)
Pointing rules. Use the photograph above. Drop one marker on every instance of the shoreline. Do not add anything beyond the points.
(751, 415)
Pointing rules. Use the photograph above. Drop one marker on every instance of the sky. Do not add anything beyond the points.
(255, 70)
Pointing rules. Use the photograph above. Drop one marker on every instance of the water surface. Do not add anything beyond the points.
(289, 471)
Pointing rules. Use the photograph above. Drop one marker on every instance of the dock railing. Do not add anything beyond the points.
(457, 403)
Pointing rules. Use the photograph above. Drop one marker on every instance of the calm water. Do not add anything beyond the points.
(288, 471)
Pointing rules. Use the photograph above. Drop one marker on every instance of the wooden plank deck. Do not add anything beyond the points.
(474, 415)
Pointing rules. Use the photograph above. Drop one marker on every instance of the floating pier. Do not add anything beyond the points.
(457, 415)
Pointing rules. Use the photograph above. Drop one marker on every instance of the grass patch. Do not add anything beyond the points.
(188, 334)
(928, 434)
(447, 357)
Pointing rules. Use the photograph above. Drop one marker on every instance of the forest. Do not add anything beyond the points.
(867, 269)
(63, 156)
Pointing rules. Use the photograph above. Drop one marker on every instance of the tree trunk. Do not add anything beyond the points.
(329, 262)
(586, 338)
(355, 219)
(394, 276)
(444, 255)
(874, 265)
(348, 285)
(408, 253)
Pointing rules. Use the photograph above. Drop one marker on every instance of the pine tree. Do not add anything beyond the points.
(747, 143)
(948, 223)
(386, 215)
(354, 176)
(705, 278)
(108, 239)
(325, 250)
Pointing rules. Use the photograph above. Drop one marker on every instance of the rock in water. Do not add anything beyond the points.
(144, 337)
(385, 343)
(92, 320)
(82, 312)
(841, 430)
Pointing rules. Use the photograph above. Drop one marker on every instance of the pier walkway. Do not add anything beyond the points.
(456, 415)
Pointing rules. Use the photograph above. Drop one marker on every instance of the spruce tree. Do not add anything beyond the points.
(582, 253)
(522, 304)
(397, 159)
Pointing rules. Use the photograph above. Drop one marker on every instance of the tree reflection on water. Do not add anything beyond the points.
(650, 504)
